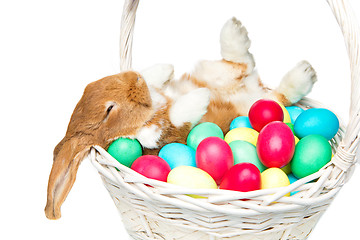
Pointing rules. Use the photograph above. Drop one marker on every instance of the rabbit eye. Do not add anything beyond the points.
(110, 106)
(109, 109)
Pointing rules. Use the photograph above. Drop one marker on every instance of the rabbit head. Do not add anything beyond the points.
(113, 107)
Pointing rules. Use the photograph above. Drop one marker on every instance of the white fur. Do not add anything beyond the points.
(235, 44)
(149, 136)
(158, 100)
(190, 107)
(298, 82)
(217, 74)
(158, 74)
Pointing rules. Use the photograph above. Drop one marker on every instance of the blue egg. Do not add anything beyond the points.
(292, 179)
(318, 121)
(241, 121)
(294, 112)
(177, 154)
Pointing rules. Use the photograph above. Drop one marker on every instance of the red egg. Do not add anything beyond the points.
(263, 112)
(243, 177)
(276, 145)
(214, 156)
(152, 167)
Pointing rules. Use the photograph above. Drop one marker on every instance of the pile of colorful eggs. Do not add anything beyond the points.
(271, 147)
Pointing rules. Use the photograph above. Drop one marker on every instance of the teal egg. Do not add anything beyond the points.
(311, 154)
(294, 112)
(244, 151)
(318, 121)
(292, 179)
(177, 154)
(242, 121)
(125, 150)
(202, 131)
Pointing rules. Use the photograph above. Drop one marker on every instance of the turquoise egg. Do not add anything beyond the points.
(292, 179)
(294, 112)
(242, 121)
(177, 154)
(244, 151)
(318, 121)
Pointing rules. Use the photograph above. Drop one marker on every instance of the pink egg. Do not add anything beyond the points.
(152, 167)
(263, 112)
(276, 145)
(214, 156)
(243, 177)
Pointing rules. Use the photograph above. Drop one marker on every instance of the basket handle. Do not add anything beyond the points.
(348, 23)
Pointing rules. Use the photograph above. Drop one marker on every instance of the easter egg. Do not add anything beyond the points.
(311, 154)
(243, 177)
(214, 156)
(318, 121)
(191, 177)
(296, 140)
(291, 126)
(202, 131)
(245, 134)
(294, 112)
(245, 152)
(177, 154)
(242, 121)
(276, 145)
(263, 112)
(274, 178)
(152, 167)
(125, 150)
(287, 118)
(292, 179)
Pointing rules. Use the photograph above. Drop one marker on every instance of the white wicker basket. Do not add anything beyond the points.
(156, 210)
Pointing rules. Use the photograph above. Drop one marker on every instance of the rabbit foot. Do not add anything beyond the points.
(235, 43)
(298, 82)
(157, 75)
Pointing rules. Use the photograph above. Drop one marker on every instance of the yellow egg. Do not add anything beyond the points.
(287, 118)
(245, 134)
(296, 140)
(274, 178)
(191, 177)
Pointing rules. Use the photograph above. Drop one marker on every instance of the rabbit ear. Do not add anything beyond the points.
(68, 155)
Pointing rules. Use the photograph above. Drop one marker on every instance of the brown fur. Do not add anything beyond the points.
(92, 124)
(220, 113)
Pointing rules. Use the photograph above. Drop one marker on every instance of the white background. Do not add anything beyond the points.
(50, 50)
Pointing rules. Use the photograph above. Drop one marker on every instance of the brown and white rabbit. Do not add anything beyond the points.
(233, 84)
(164, 110)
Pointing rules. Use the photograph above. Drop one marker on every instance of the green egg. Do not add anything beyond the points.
(291, 126)
(244, 151)
(202, 131)
(311, 154)
(125, 150)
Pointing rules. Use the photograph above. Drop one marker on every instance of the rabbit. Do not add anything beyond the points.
(232, 83)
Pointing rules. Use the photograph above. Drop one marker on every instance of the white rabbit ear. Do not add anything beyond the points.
(190, 107)
(157, 75)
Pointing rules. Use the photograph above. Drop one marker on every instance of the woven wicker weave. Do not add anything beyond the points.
(156, 210)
